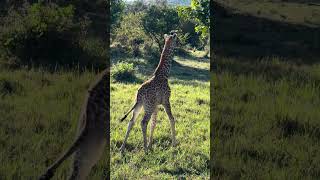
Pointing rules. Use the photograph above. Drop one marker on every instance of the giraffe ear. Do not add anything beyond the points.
(165, 36)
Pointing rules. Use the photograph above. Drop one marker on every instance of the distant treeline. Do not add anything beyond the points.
(138, 27)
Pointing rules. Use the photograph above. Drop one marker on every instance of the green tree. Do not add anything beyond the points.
(200, 12)
(159, 20)
(116, 11)
(130, 32)
(40, 34)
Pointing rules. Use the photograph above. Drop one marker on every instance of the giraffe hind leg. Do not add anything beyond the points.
(167, 107)
(152, 127)
(144, 124)
(135, 114)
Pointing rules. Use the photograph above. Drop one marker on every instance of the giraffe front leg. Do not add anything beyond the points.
(167, 107)
(153, 125)
(144, 124)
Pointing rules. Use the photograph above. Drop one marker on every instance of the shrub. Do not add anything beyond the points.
(44, 34)
(95, 51)
(123, 72)
(151, 53)
(130, 33)
(117, 50)
(189, 35)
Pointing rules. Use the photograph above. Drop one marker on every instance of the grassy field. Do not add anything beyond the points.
(39, 113)
(266, 97)
(38, 118)
(266, 120)
(189, 82)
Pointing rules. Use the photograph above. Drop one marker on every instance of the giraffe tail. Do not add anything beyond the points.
(125, 116)
(51, 170)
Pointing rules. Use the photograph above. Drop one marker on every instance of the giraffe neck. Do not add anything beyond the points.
(163, 69)
(100, 88)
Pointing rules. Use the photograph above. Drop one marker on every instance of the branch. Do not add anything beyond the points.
(157, 41)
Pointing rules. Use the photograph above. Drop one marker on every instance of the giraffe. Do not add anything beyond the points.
(92, 131)
(151, 94)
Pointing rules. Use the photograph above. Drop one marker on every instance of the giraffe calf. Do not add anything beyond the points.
(151, 94)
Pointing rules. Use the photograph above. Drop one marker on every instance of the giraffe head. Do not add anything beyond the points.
(171, 40)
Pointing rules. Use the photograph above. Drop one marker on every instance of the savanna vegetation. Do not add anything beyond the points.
(265, 87)
(136, 45)
(49, 55)
(50, 51)
(266, 91)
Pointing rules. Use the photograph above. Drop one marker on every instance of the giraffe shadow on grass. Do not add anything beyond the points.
(162, 142)
(192, 169)
(129, 146)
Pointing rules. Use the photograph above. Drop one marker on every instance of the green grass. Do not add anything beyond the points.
(266, 120)
(265, 109)
(189, 82)
(39, 116)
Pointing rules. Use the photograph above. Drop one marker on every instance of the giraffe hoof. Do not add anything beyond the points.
(149, 148)
(146, 150)
(175, 143)
(122, 149)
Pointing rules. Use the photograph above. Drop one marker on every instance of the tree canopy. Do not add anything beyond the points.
(159, 20)
(200, 12)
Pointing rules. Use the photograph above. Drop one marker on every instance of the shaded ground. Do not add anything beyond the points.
(248, 37)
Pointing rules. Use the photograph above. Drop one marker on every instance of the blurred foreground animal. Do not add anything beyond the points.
(92, 132)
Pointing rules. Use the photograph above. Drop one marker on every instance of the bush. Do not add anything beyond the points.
(95, 51)
(117, 50)
(189, 35)
(151, 53)
(44, 34)
(130, 33)
(123, 72)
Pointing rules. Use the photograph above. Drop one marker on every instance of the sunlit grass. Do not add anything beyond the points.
(190, 105)
(266, 120)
